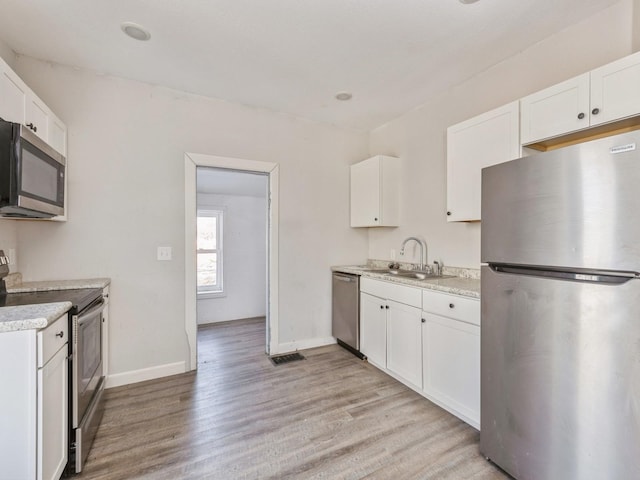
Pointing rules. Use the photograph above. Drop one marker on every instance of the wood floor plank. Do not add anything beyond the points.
(330, 416)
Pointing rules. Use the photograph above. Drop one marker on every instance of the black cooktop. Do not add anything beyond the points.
(80, 298)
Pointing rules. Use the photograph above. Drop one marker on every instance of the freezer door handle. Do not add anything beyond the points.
(587, 276)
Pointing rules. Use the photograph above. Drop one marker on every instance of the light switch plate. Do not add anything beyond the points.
(164, 253)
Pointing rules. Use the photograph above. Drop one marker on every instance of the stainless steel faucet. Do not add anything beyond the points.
(423, 250)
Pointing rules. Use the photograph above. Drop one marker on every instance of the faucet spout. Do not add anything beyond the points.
(423, 250)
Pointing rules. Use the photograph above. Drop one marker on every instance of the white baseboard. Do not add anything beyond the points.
(151, 373)
(303, 345)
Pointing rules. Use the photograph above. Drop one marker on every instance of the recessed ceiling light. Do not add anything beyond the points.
(135, 31)
(344, 96)
(467, 2)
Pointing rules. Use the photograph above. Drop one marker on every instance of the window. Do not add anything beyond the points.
(209, 251)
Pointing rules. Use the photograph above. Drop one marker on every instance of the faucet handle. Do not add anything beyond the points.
(437, 268)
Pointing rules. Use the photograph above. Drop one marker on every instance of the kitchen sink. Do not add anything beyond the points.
(418, 275)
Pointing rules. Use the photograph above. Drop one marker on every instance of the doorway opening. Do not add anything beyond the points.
(231, 245)
(236, 202)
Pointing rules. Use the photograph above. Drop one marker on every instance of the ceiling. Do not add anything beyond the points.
(292, 56)
(230, 182)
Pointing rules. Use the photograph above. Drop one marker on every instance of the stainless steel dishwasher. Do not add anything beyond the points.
(345, 312)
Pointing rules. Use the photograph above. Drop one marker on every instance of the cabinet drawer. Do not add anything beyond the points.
(52, 338)
(392, 291)
(452, 306)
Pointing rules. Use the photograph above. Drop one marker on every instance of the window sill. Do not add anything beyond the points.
(205, 295)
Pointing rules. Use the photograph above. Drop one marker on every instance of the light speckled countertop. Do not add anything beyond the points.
(28, 317)
(460, 285)
(58, 285)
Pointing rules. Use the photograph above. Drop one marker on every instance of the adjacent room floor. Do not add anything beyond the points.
(331, 416)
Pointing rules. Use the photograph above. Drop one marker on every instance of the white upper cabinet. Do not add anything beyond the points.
(57, 133)
(375, 192)
(604, 95)
(615, 90)
(19, 104)
(479, 142)
(553, 111)
(13, 96)
(37, 118)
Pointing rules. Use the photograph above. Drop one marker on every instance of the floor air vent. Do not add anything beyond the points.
(290, 357)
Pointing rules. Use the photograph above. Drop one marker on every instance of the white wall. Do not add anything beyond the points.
(245, 258)
(419, 136)
(9, 240)
(7, 54)
(126, 149)
(636, 25)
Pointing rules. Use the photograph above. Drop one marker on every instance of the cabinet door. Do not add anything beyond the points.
(614, 90)
(18, 404)
(404, 342)
(389, 191)
(373, 329)
(451, 365)
(13, 95)
(485, 140)
(52, 417)
(365, 193)
(37, 116)
(57, 134)
(556, 110)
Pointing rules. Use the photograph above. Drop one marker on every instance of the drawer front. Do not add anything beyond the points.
(52, 338)
(453, 306)
(392, 291)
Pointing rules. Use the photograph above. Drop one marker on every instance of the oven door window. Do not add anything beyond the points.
(90, 331)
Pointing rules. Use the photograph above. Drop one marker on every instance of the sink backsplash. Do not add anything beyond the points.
(473, 273)
(13, 279)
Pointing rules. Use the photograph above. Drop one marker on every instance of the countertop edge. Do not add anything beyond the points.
(31, 317)
(465, 287)
(48, 285)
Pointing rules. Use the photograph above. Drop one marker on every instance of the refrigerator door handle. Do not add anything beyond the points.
(582, 275)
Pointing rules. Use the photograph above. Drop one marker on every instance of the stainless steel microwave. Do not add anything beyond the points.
(31, 174)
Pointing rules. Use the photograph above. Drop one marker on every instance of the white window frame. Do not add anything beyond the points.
(218, 290)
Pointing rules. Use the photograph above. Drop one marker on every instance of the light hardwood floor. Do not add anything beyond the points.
(330, 416)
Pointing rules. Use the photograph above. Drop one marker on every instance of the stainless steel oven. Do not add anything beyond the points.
(87, 380)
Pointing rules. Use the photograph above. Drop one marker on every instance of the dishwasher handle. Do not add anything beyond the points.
(345, 278)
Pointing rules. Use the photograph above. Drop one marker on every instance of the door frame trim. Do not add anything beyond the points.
(191, 162)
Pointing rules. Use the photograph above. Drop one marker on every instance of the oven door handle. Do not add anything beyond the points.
(89, 313)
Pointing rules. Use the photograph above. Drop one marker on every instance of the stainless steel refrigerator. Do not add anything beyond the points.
(560, 334)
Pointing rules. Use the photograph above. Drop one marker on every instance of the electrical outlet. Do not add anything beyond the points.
(164, 253)
(392, 254)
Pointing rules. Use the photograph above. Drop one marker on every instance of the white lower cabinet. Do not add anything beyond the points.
(390, 328)
(426, 339)
(451, 353)
(34, 424)
(404, 342)
(451, 365)
(373, 329)
(52, 417)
